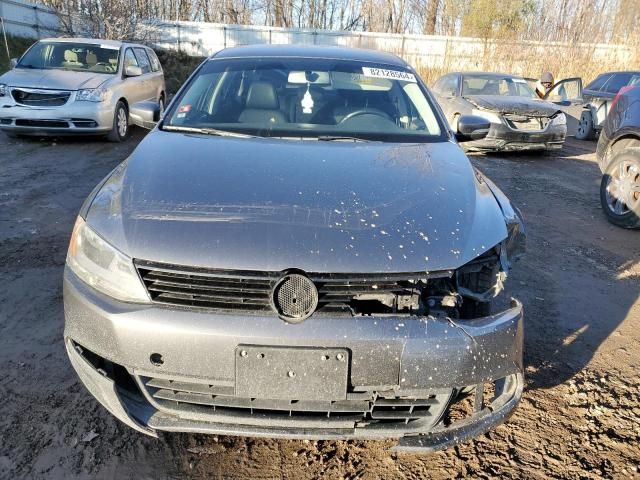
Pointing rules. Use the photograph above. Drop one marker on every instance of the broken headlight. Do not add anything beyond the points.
(482, 278)
(103, 267)
(560, 119)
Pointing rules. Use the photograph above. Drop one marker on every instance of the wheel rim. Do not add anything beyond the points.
(122, 122)
(582, 125)
(623, 188)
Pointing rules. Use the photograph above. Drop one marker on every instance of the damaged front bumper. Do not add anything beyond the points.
(504, 138)
(428, 382)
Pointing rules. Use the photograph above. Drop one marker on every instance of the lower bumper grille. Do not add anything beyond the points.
(22, 122)
(361, 409)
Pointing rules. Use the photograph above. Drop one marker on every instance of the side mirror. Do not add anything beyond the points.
(145, 114)
(132, 71)
(472, 127)
(13, 63)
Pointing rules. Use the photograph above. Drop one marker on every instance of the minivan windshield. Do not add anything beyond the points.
(72, 56)
(324, 99)
(496, 85)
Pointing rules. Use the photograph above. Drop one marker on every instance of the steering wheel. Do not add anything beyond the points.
(359, 113)
(107, 65)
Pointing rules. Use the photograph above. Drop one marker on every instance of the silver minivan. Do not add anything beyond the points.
(67, 86)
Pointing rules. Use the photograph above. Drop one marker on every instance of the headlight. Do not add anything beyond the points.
(560, 119)
(3, 90)
(516, 242)
(491, 116)
(92, 95)
(103, 267)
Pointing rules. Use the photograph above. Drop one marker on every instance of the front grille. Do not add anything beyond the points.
(523, 122)
(40, 98)
(42, 123)
(251, 290)
(361, 408)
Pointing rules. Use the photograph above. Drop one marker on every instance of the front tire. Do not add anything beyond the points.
(120, 129)
(586, 131)
(620, 189)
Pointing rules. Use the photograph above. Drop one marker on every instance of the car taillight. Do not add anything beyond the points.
(620, 92)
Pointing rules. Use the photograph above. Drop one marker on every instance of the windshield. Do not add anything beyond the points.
(72, 56)
(307, 98)
(496, 85)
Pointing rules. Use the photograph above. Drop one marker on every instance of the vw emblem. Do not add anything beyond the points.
(295, 298)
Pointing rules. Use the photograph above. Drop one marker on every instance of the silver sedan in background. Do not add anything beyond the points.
(78, 86)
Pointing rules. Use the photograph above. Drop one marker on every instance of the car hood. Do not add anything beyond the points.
(271, 204)
(517, 105)
(53, 79)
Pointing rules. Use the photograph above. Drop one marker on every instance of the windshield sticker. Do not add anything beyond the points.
(184, 108)
(390, 74)
(519, 80)
(109, 47)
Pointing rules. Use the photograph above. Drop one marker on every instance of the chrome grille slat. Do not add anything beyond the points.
(40, 98)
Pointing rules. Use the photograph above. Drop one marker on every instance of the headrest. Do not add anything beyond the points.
(262, 96)
(91, 58)
(70, 56)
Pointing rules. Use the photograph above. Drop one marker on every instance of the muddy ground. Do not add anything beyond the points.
(580, 284)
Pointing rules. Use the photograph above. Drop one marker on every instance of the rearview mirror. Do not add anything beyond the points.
(132, 71)
(145, 114)
(13, 63)
(472, 127)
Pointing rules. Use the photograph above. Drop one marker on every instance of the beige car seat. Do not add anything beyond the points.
(71, 59)
(91, 59)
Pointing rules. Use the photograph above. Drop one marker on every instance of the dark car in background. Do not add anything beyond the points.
(597, 100)
(519, 119)
(299, 249)
(618, 156)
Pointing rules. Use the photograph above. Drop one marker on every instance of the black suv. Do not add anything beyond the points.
(618, 155)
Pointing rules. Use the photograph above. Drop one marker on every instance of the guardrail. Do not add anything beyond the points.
(26, 19)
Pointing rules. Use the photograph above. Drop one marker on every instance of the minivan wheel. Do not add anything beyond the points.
(620, 189)
(120, 130)
(585, 127)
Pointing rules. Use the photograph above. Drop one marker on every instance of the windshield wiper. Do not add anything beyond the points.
(207, 131)
(339, 138)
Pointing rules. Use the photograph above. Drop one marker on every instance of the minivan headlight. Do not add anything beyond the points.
(103, 267)
(491, 116)
(3, 90)
(560, 119)
(92, 95)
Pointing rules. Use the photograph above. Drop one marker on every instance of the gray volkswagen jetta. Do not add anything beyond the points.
(299, 249)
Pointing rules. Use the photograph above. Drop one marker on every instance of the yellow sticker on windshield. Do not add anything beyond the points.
(389, 74)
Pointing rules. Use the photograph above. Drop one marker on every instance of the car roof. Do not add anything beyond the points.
(311, 51)
(633, 72)
(90, 41)
(488, 74)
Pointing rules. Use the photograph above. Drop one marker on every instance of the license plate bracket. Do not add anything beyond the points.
(291, 373)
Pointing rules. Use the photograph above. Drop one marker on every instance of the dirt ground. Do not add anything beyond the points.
(580, 284)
